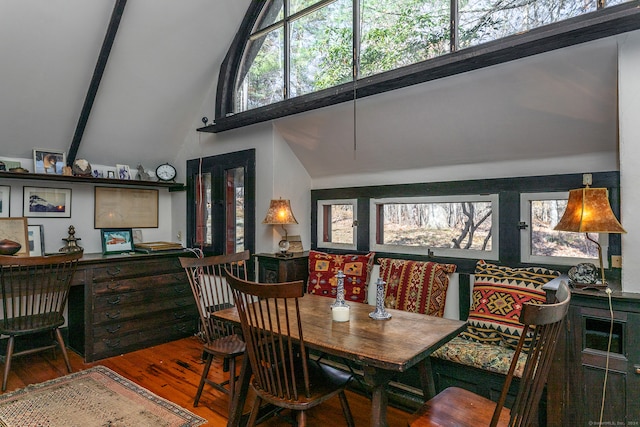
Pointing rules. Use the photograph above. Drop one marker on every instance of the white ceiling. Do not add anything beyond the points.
(167, 54)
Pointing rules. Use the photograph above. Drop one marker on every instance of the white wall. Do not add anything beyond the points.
(629, 122)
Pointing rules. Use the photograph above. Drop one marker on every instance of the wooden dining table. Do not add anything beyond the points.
(383, 348)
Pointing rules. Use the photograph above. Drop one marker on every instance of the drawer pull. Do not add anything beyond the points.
(114, 330)
(112, 316)
(180, 290)
(114, 300)
(637, 369)
(179, 316)
(182, 303)
(181, 328)
(113, 271)
(112, 344)
(113, 286)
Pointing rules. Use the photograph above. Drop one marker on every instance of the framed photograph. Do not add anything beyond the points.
(5, 194)
(125, 207)
(16, 229)
(137, 236)
(49, 161)
(123, 172)
(39, 202)
(116, 240)
(36, 240)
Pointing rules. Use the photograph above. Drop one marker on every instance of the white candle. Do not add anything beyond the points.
(340, 314)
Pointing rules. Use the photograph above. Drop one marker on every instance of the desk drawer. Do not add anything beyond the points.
(145, 298)
(122, 285)
(141, 310)
(136, 268)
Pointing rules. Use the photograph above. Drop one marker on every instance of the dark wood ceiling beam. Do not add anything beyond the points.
(604, 23)
(98, 72)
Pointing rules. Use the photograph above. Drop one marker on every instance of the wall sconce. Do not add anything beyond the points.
(280, 213)
(588, 211)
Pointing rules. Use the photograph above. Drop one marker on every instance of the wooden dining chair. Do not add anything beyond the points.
(283, 375)
(211, 292)
(35, 291)
(459, 407)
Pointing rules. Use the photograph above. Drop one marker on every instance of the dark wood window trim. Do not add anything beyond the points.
(508, 189)
(592, 26)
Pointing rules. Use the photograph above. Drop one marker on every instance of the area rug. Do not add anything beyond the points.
(94, 397)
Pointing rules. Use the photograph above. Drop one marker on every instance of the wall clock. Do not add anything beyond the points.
(166, 172)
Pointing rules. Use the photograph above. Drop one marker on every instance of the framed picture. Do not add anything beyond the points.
(5, 194)
(49, 161)
(125, 207)
(36, 240)
(16, 229)
(41, 202)
(116, 240)
(123, 172)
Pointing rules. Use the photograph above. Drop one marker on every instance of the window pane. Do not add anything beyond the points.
(485, 20)
(261, 77)
(235, 210)
(271, 14)
(296, 6)
(465, 225)
(321, 48)
(341, 224)
(402, 32)
(203, 210)
(545, 215)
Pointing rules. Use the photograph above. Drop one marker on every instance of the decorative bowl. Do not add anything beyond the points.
(9, 247)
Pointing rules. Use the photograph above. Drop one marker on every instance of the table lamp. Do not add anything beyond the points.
(588, 211)
(280, 213)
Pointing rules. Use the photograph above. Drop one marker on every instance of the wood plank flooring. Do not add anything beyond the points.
(172, 371)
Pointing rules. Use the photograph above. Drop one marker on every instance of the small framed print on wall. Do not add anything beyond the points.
(49, 161)
(5, 194)
(39, 202)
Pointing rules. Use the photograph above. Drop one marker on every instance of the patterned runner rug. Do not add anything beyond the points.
(94, 397)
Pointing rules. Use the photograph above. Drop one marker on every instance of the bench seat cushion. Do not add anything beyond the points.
(490, 357)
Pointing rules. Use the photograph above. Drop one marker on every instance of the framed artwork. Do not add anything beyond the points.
(125, 207)
(123, 172)
(49, 161)
(116, 240)
(36, 240)
(39, 202)
(16, 229)
(5, 198)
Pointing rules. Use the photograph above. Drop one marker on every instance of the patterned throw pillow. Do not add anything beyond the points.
(416, 286)
(498, 295)
(323, 268)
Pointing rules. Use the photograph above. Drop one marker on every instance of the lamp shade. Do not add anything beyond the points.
(279, 213)
(588, 211)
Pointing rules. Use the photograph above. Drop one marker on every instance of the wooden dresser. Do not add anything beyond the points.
(121, 303)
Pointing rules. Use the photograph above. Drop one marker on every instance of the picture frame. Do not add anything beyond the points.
(116, 240)
(5, 201)
(123, 172)
(15, 228)
(49, 161)
(45, 202)
(36, 240)
(125, 207)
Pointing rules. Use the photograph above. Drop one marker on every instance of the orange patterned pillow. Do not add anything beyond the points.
(416, 286)
(323, 268)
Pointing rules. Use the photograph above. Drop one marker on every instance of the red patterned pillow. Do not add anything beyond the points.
(323, 268)
(498, 295)
(416, 286)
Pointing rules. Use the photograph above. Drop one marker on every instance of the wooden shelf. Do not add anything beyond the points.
(172, 186)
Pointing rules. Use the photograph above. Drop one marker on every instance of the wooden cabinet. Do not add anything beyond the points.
(274, 269)
(123, 303)
(576, 385)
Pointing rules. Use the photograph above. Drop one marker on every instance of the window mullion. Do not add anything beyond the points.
(287, 51)
(454, 21)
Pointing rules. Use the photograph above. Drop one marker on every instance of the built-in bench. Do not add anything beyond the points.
(479, 358)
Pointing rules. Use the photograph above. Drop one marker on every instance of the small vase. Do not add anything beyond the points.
(9, 247)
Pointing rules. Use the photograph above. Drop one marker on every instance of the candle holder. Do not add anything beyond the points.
(340, 302)
(380, 313)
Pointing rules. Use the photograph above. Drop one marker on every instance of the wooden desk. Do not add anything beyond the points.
(382, 347)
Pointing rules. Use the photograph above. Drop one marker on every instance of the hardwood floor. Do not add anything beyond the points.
(172, 371)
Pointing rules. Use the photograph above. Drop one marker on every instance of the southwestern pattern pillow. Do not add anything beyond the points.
(323, 268)
(416, 286)
(497, 299)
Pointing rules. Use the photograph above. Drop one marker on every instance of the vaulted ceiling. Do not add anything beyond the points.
(166, 56)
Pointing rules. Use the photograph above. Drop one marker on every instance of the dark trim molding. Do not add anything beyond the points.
(592, 26)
